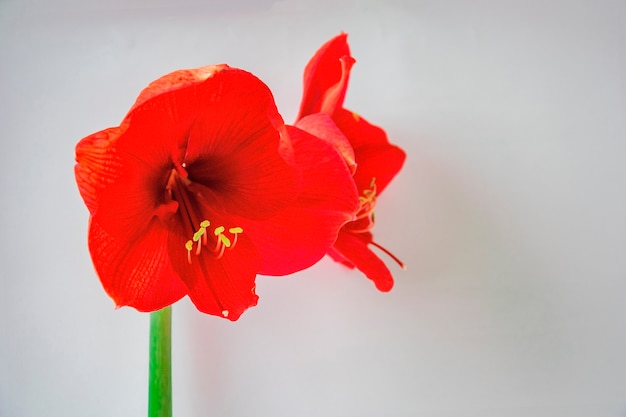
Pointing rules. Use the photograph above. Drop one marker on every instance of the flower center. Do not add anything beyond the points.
(181, 190)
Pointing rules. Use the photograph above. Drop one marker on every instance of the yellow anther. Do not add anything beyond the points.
(369, 193)
(189, 246)
(367, 204)
(221, 244)
(198, 234)
(225, 240)
(235, 231)
(225, 313)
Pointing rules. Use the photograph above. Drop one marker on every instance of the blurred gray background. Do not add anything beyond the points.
(509, 212)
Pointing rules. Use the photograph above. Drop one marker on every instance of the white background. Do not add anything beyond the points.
(510, 213)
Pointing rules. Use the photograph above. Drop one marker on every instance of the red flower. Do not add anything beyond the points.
(201, 187)
(365, 148)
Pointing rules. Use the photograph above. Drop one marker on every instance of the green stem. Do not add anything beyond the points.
(160, 378)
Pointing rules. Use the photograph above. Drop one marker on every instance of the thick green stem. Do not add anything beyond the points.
(160, 383)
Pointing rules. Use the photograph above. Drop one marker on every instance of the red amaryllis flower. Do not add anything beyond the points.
(365, 148)
(201, 187)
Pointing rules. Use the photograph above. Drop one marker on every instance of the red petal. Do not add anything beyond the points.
(375, 156)
(358, 130)
(326, 77)
(379, 162)
(323, 126)
(165, 112)
(126, 206)
(136, 272)
(235, 147)
(301, 234)
(158, 127)
(177, 80)
(354, 248)
(120, 193)
(97, 165)
(218, 286)
(335, 95)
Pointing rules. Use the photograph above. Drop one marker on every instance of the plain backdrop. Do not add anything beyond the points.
(509, 212)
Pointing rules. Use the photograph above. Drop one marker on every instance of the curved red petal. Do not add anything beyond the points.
(335, 95)
(323, 126)
(236, 145)
(302, 233)
(120, 193)
(221, 286)
(97, 165)
(354, 249)
(358, 129)
(127, 205)
(136, 272)
(374, 155)
(326, 77)
(176, 80)
(379, 162)
(159, 125)
(160, 121)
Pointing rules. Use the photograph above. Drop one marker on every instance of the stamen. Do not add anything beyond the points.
(219, 232)
(200, 233)
(235, 231)
(225, 240)
(189, 246)
(222, 249)
(367, 204)
(203, 225)
(222, 241)
(219, 245)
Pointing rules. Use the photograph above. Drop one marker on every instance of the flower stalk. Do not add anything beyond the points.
(160, 375)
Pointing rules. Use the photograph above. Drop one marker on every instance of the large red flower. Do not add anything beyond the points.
(201, 187)
(364, 147)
